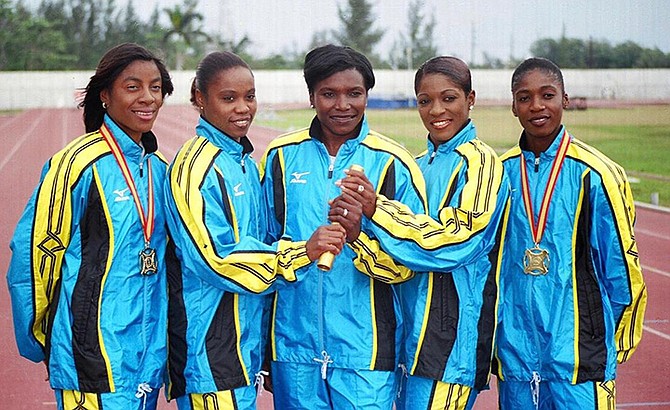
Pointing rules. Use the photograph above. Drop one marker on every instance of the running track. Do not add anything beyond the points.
(28, 139)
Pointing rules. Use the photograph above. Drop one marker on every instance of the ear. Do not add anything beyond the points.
(199, 98)
(566, 101)
(514, 109)
(104, 96)
(311, 100)
(471, 98)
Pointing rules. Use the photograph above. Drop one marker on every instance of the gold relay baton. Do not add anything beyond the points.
(326, 259)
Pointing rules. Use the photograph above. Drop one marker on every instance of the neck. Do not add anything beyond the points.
(333, 144)
(539, 145)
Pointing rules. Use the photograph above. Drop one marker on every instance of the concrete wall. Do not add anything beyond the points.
(19, 90)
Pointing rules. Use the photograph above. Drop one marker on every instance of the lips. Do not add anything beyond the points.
(242, 122)
(145, 114)
(539, 121)
(440, 124)
(342, 118)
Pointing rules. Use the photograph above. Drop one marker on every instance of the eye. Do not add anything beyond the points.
(251, 97)
(423, 101)
(549, 96)
(355, 94)
(156, 88)
(522, 98)
(449, 98)
(328, 94)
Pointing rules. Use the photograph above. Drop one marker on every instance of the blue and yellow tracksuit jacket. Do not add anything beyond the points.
(450, 307)
(343, 314)
(217, 220)
(574, 323)
(78, 298)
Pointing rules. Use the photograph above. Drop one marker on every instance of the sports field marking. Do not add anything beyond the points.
(656, 332)
(653, 234)
(660, 272)
(26, 135)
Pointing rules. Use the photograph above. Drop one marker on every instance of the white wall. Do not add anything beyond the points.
(19, 90)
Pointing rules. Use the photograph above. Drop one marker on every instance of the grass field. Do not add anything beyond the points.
(638, 137)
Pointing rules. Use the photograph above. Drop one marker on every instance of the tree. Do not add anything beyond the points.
(186, 25)
(357, 28)
(28, 42)
(411, 50)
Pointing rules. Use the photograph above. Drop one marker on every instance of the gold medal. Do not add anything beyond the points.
(148, 260)
(536, 261)
(148, 263)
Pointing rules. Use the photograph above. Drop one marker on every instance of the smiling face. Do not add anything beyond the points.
(443, 106)
(230, 103)
(538, 102)
(340, 102)
(134, 98)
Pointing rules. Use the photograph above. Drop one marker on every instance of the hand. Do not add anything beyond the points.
(361, 190)
(348, 212)
(326, 238)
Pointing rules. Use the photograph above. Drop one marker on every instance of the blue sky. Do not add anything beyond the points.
(464, 28)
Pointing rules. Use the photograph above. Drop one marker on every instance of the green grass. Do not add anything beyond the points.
(638, 138)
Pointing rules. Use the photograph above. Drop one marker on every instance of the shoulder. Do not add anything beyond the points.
(196, 155)
(291, 138)
(378, 142)
(79, 154)
(608, 170)
(478, 148)
(196, 148)
(513, 152)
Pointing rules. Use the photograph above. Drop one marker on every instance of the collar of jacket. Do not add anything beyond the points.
(129, 147)
(316, 132)
(467, 133)
(221, 140)
(549, 153)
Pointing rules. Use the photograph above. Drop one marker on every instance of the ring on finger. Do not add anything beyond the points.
(361, 188)
(345, 212)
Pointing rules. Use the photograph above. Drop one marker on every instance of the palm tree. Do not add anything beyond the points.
(185, 24)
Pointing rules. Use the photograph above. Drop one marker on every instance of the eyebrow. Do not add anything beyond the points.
(133, 78)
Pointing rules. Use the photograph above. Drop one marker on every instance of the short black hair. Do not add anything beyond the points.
(324, 61)
(210, 66)
(454, 68)
(537, 63)
(111, 65)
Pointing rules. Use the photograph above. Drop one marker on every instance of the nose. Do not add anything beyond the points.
(537, 104)
(148, 95)
(436, 108)
(342, 102)
(242, 107)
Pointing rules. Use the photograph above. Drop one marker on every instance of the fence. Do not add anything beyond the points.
(20, 90)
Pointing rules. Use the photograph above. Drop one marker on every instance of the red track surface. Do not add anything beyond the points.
(30, 138)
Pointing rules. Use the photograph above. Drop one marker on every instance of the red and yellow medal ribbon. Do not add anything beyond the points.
(538, 229)
(147, 219)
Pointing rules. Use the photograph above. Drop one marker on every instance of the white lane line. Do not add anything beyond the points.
(653, 234)
(646, 268)
(27, 134)
(656, 332)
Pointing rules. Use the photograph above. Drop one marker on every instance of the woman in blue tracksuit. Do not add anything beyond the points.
(217, 219)
(335, 336)
(450, 304)
(87, 275)
(572, 293)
